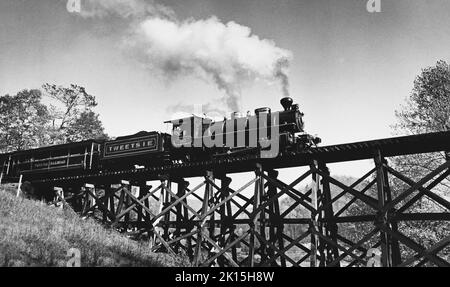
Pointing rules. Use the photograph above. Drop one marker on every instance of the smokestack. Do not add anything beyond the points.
(286, 103)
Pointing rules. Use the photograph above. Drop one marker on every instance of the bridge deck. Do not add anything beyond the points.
(389, 147)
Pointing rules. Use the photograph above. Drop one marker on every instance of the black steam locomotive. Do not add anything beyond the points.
(192, 139)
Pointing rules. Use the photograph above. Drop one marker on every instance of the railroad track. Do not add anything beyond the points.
(389, 147)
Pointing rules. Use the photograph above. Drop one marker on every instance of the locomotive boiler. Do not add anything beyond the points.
(262, 131)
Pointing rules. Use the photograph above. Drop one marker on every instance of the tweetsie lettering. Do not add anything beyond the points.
(131, 146)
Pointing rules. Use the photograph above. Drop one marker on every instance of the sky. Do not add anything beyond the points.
(350, 69)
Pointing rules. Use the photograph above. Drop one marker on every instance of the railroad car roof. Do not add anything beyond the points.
(57, 147)
(203, 117)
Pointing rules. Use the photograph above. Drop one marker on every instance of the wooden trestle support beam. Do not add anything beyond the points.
(214, 224)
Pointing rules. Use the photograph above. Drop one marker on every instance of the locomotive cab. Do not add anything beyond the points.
(188, 132)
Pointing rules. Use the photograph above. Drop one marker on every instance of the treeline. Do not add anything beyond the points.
(48, 116)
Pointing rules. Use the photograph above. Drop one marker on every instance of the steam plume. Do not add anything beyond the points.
(226, 53)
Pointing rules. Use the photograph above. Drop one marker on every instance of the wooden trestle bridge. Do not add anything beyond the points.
(235, 227)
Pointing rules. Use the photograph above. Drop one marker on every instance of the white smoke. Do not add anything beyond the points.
(227, 53)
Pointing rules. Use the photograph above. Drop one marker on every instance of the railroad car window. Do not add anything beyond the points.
(177, 131)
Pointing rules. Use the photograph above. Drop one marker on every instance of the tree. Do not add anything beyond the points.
(428, 107)
(72, 114)
(22, 121)
(26, 122)
(294, 230)
(427, 110)
(86, 126)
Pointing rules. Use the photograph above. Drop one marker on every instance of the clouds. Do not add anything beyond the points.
(228, 54)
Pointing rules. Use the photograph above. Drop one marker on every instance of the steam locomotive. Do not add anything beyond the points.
(193, 139)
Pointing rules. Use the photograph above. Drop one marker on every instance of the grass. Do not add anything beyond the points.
(35, 234)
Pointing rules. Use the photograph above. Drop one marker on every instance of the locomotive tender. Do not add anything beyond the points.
(192, 139)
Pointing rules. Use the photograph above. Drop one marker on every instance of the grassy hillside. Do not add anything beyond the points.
(34, 234)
